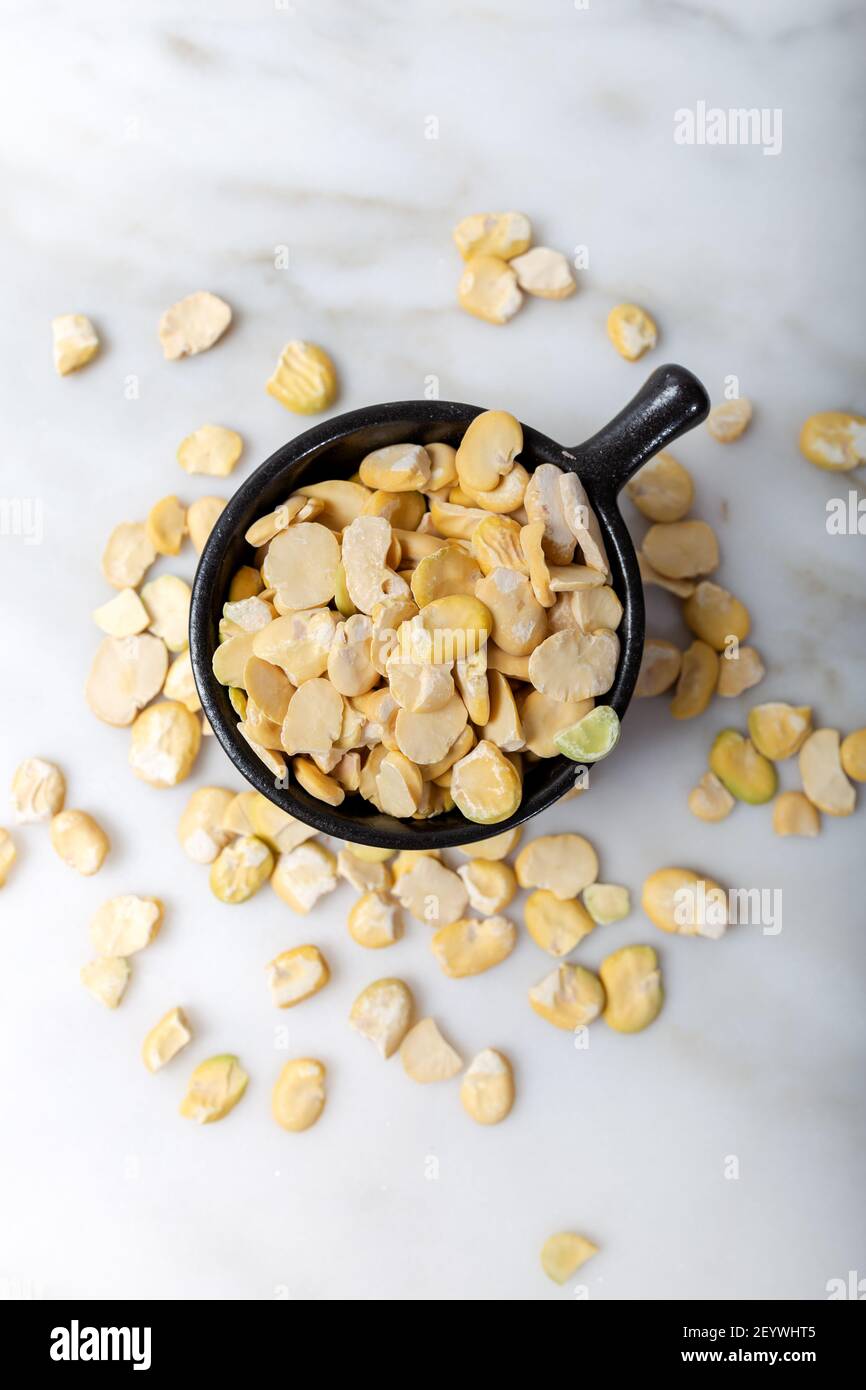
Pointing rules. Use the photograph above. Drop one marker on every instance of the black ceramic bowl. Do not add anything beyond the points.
(670, 402)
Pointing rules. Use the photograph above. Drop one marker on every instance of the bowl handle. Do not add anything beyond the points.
(670, 402)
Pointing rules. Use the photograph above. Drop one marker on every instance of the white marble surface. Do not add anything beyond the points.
(173, 147)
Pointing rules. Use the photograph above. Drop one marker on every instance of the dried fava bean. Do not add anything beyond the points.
(166, 1039)
(38, 791)
(699, 673)
(592, 737)
(396, 468)
(382, 1013)
(201, 831)
(503, 725)
(504, 234)
(369, 579)
(296, 975)
(572, 665)
(556, 925)
(231, 657)
(488, 289)
(214, 1089)
(124, 925)
(726, 422)
(633, 988)
(458, 624)
(342, 500)
(298, 1097)
(180, 683)
(495, 542)
(714, 615)
(544, 503)
(519, 622)
(531, 538)
(454, 522)
(236, 817)
(269, 687)
(834, 440)
(486, 787)
(128, 555)
(495, 847)
(166, 528)
(247, 615)
(631, 330)
(165, 742)
(373, 922)
(746, 773)
(563, 1254)
(498, 660)
(123, 616)
(366, 875)
(350, 669)
(298, 643)
(824, 782)
(582, 522)
(487, 1088)
(663, 489)
(565, 864)
(274, 762)
(404, 510)
(426, 738)
(794, 814)
(79, 841)
(426, 1056)
(304, 875)
(443, 468)
(7, 854)
(594, 608)
(490, 884)
(659, 668)
(682, 901)
(399, 785)
(543, 718)
(201, 517)
(682, 549)
(607, 903)
(240, 869)
(469, 946)
(853, 755)
(419, 687)
(193, 324)
(302, 563)
(276, 827)
(75, 342)
(777, 730)
(167, 600)
(683, 588)
(211, 449)
(507, 496)
(710, 800)
(448, 570)
(569, 997)
(313, 719)
(125, 674)
(245, 584)
(106, 979)
(739, 670)
(304, 379)
(474, 685)
(263, 531)
(544, 273)
(431, 892)
(568, 579)
(372, 854)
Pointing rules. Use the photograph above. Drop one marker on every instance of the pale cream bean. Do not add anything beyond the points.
(487, 1088)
